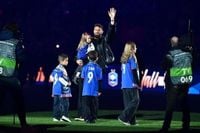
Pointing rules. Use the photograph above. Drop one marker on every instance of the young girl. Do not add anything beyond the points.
(85, 45)
(129, 84)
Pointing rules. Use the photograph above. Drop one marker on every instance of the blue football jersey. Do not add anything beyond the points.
(82, 52)
(127, 74)
(60, 82)
(91, 73)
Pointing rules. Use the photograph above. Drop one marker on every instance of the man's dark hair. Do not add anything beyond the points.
(98, 25)
(92, 55)
(62, 57)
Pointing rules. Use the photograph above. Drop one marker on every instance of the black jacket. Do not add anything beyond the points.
(100, 43)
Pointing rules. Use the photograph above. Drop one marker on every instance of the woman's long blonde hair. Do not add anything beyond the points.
(128, 51)
(82, 40)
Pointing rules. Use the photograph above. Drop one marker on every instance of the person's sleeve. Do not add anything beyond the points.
(134, 71)
(81, 81)
(100, 74)
(21, 61)
(132, 63)
(167, 62)
(110, 33)
(78, 55)
(63, 81)
(82, 52)
(83, 73)
(100, 80)
(135, 77)
(100, 85)
(20, 53)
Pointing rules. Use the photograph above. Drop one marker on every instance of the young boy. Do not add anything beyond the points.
(61, 90)
(84, 46)
(91, 75)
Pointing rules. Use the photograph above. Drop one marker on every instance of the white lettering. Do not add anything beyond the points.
(151, 81)
(190, 78)
(182, 79)
(90, 77)
(91, 68)
(187, 79)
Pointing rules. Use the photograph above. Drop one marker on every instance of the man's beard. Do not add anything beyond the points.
(97, 36)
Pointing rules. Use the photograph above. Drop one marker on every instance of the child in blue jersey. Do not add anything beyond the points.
(130, 84)
(84, 46)
(61, 90)
(91, 75)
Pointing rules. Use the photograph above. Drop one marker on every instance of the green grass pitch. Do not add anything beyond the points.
(148, 121)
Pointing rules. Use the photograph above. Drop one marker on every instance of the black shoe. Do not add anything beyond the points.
(185, 130)
(25, 125)
(89, 121)
(163, 130)
(134, 123)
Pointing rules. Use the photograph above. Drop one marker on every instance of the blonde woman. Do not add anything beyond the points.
(129, 84)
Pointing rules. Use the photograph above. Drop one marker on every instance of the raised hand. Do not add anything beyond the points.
(112, 13)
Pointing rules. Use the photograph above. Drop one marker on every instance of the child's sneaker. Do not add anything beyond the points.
(54, 119)
(125, 123)
(79, 119)
(65, 119)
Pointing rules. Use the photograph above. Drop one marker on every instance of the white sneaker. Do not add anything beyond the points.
(78, 119)
(54, 119)
(65, 119)
(125, 123)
